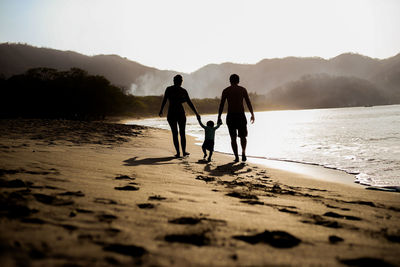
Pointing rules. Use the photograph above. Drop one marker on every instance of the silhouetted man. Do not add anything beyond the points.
(176, 113)
(236, 119)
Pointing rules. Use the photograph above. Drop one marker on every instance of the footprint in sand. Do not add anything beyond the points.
(277, 239)
(319, 220)
(197, 239)
(106, 217)
(333, 239)
(196, 220)
(70, 193)
(334, 207)
(52, 200)
(69, 227)
(124, 177)
(157, 197)
(56, 179)
(146, 206)
(128, 250)
(242, 195)
(366, 261)
(127, 188)
(14, 205)
(340, 216)
(33, 220)
(84, 211)
(252, 202)
(206, 179)
(106, 201)
(17, 183)
(288, 211)
(186, 220)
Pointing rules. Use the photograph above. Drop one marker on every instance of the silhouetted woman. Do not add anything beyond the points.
(176, 113)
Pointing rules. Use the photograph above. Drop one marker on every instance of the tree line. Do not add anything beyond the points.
(75, 94)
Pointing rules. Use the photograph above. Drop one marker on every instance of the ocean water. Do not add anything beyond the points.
(364, 141)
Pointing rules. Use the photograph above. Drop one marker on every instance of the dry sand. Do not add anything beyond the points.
(97, 194)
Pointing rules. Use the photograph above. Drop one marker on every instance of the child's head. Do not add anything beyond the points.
(210, 123)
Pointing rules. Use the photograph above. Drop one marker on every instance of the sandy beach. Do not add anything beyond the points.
(103, 194)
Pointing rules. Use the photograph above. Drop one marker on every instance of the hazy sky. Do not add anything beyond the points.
(184, 35)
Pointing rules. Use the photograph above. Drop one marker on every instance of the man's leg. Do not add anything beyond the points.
(243, 142)
(234, 148)
(242, 133)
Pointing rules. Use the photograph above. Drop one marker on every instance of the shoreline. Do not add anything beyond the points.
(312, 170)
(98, 194)
(354, 174)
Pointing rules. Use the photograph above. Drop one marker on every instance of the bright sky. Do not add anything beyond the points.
(184, 35)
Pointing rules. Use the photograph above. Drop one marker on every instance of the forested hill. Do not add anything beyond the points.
(348, 79)
(18, 58)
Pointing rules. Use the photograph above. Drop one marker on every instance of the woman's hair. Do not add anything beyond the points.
(178, 79)
(210, 123)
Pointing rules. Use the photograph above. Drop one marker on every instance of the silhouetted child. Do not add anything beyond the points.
(209, 138)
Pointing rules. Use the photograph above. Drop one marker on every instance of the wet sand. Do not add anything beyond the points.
(100, 194)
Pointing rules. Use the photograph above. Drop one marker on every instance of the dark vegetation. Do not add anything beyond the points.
(48, 93)
(74, 94)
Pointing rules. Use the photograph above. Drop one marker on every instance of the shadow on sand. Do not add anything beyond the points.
(148, 161)
(228, 168)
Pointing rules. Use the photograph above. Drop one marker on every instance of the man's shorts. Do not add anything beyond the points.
(209, 145)
(237, 124)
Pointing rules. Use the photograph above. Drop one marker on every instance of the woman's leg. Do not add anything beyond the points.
(174, 129)
(182, 129)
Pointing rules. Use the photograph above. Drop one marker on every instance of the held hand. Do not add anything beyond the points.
(198, 117)
(252, 119)
(160, 114)
(219, 121)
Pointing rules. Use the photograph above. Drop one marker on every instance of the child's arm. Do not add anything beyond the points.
(216, 127)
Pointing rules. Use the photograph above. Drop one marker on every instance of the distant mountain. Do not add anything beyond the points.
(338, 91)
(17, 58)
(267, 77)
